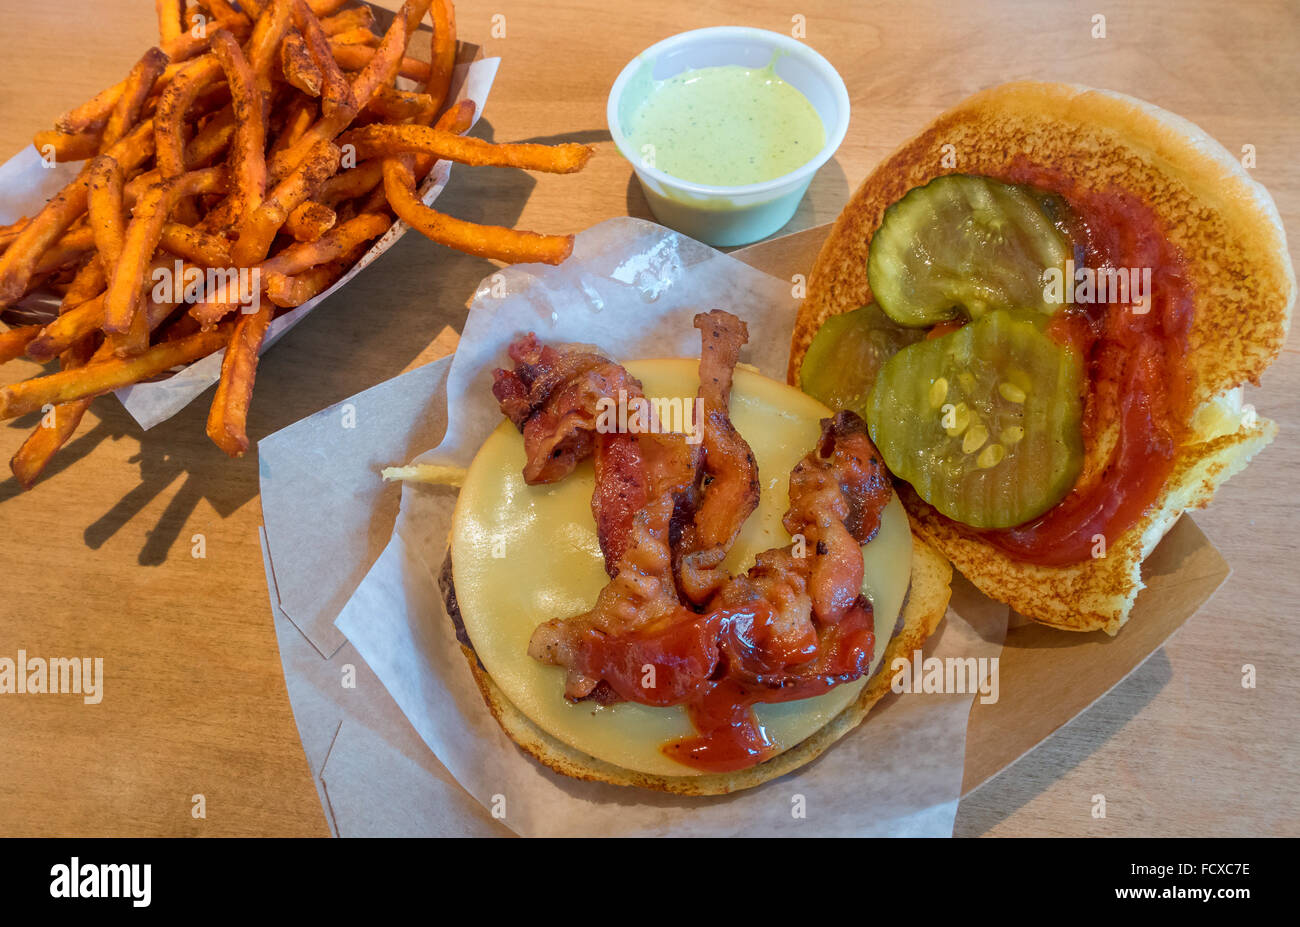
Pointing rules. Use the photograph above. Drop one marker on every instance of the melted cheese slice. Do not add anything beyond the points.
(522, 555)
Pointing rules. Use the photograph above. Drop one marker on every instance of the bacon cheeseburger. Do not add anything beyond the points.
(1045, 306)
(651, 602)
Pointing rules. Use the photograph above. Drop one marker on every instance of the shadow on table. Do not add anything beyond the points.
(368, 332)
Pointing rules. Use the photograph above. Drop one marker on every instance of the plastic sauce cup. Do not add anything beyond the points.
(728, 215)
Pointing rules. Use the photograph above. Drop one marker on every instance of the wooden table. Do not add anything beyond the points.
(98, 557)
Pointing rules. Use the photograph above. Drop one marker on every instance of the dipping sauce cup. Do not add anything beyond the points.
(724, 215)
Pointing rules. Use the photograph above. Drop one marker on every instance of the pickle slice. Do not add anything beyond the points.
(984, 422)
(847, 353)
(964, 244)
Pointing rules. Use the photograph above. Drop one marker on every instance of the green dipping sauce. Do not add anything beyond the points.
(726, 126)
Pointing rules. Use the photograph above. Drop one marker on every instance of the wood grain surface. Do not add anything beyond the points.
(98, 557)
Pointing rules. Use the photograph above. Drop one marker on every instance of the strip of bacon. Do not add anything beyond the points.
(730, 489)
(642, 593)
(552, 397)
(622, 488)
(837, 496)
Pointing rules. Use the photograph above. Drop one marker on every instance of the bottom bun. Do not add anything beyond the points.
(927, 602)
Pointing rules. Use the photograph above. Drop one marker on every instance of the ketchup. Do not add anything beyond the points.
(729, 736)
(1137, 375)
(720, 664)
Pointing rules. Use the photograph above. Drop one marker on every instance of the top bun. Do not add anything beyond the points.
(1224, 223)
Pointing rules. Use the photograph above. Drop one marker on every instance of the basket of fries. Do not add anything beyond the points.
(251, 162)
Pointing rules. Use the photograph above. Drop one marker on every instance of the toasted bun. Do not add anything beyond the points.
(1224, 223)
(927, 601)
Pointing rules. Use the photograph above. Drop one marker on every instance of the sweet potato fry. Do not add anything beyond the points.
(142, 236)
(264, 46)
(288, 292)
(173, 105)
(380, 140)
(385, 62)
(331, 246)
(295, 61)
(20, 259)
(56, 426)
(139, 84)
(108, 224)
(105, 209)
(310, 220)
(59, 424)
(291, 291)
(442, 53)
(326, 7)
(200, 247)
(413, 12)
(354, 182)
(9, 232)
(513, 246)
(54, 430)
(228, 417)
(247, 163)
(63, 332)
(358, 17)
(136, 147)
(260, 226)
(93, 114)
(14, 341)
(155, 193)
(169, 18)
(457, 119)
(302, 115)
(221, 9)
(85, 286)
(336, 92)
(392, 105)
(211, 141)
(190, 44)
(62, 146)
(105, 375)
(356, 57)
(359, 36)
(70, 249)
